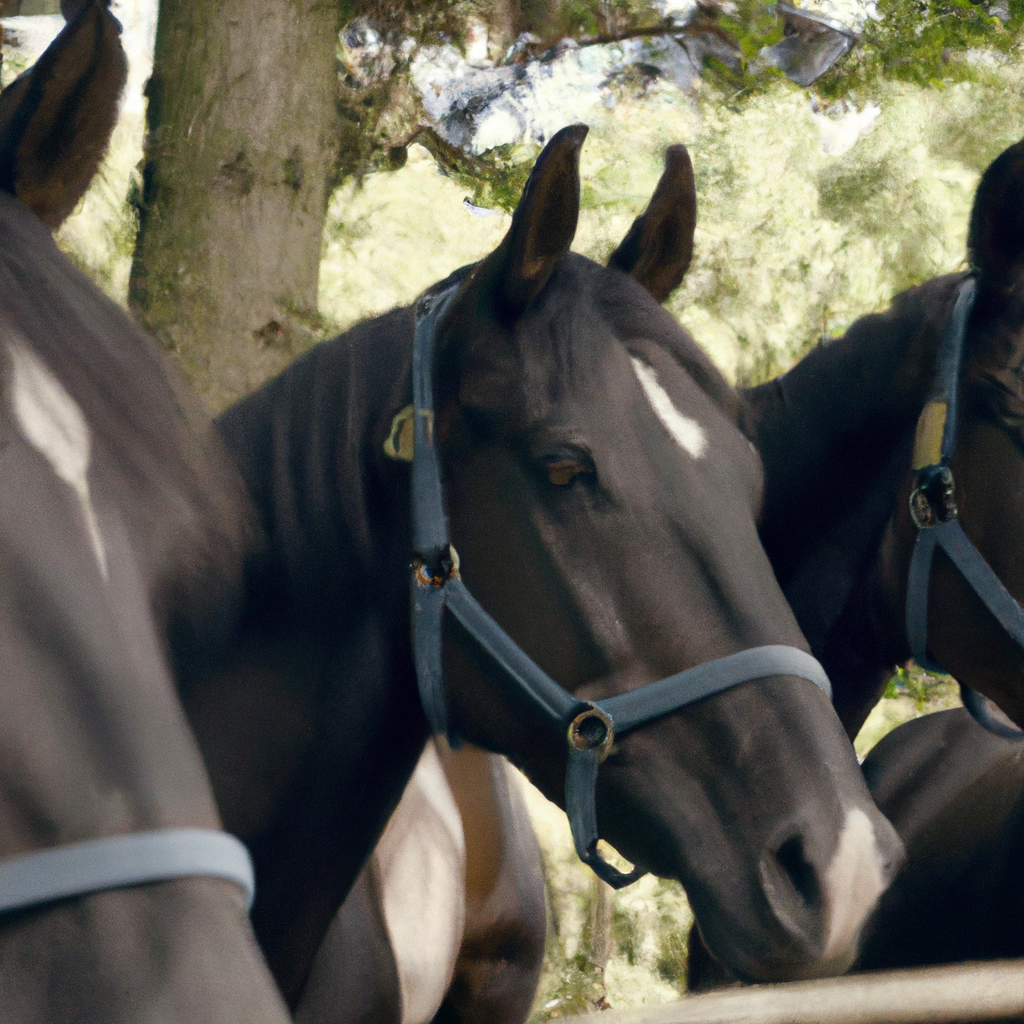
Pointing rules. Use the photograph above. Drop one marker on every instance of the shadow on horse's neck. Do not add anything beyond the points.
(835, 435)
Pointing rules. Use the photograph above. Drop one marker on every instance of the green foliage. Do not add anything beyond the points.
(753, 25)
(910, 693)
(923, 42)
(922, 687)
(627, 932)
(583, 18)
(672, 958)
(580, 989)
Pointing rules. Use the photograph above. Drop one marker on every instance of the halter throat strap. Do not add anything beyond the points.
(117, 862)
(934, 513)
(590, 728)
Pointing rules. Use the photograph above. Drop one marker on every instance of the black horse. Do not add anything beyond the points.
(604, 503)
(837, 436)
(118, 523)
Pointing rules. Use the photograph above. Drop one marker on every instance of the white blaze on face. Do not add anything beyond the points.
(55, 426)
(421, 863)
(853, 882)
(689, 434)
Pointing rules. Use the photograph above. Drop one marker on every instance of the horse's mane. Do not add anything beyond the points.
(179, 496)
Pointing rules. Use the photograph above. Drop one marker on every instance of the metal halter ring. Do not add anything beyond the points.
(447, 569)
(592, 730)
(932, 501)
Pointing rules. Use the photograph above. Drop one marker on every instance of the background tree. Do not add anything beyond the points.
(241, 155)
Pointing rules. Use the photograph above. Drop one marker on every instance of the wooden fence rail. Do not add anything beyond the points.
(926, 995)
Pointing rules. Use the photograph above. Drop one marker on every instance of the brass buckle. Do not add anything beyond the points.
(592, 730)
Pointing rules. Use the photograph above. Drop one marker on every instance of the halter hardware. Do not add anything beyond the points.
(445, 567)
(934, 512)
(932, 500)
(590, 728)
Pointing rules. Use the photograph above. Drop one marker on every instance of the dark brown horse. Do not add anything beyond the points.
(605, 506)
(955, 793)
(837, 437)
(837, 434)
(117, 522)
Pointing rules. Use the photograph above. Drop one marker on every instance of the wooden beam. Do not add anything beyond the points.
(926, 995)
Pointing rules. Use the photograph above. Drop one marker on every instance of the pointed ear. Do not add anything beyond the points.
(543, 225)
(658, 249)
(995, 239)
(57, 118)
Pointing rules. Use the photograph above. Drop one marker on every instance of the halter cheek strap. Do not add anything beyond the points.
(934, 512)
(590, 728)
(117, 862)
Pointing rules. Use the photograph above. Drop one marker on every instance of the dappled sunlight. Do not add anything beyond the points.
(390, 236)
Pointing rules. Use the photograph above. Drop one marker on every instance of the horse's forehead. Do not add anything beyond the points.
(685, 430)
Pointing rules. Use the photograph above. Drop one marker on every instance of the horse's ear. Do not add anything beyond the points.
(543, 225)
(57, 118)
(659, 246)
(995, 239)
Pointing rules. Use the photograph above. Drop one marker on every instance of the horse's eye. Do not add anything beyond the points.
(561, 474)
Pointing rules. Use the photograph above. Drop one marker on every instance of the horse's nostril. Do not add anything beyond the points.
(795, 865)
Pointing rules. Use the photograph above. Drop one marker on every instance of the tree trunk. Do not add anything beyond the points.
(240, 159)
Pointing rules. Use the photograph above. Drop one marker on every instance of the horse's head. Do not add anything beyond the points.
(105, 493)
(604, 505)
(987, 460)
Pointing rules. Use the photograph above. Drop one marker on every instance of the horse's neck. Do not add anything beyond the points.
(307, 448)
(835, 435)
(324, 663)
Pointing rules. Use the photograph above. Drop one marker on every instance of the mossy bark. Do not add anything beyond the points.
(241, 155)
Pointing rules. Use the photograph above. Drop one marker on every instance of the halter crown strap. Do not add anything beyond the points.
(116, 862)
(934, 512)
(590, 728)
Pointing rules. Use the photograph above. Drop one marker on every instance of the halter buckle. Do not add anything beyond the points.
(932, 501)
(592, 730)
(444, 566)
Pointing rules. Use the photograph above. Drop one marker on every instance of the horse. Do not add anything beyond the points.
(837, 434)
(603, 505)
(955, 793)
(447, 920)
(120, 520)
(850, 443)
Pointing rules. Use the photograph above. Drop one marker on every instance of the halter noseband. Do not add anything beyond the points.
(934, 512)
(117, 862)
(590, 727)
